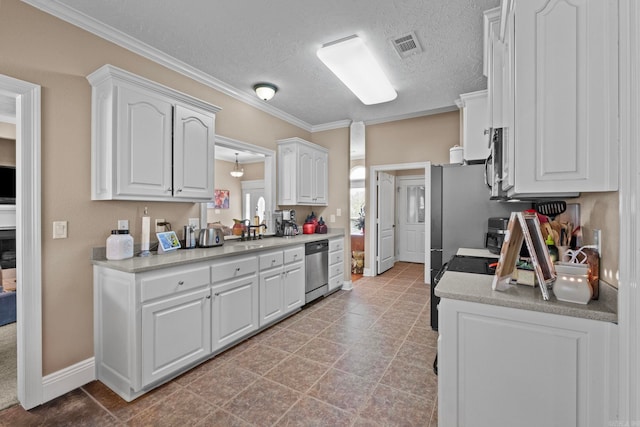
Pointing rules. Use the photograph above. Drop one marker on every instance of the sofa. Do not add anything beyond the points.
(7, 307)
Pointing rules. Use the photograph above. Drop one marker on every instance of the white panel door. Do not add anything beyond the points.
(386, 221)
(411, 216)
(293, 286)
(144, 144)
(271, 296)
(235, 310)
(175, 333)
(193, 152)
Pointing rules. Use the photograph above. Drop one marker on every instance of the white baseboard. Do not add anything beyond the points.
(367, 272)
(68, 379)
(347, 285)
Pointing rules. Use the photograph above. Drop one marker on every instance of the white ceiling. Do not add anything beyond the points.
(234, 44)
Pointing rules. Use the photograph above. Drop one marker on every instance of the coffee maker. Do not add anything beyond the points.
(285, 222)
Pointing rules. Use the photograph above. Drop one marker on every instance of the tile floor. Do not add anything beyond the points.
(356, 358)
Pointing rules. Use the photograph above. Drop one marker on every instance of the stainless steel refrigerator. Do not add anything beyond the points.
(460, 207)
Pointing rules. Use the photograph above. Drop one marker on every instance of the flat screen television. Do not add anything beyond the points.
(7, 185)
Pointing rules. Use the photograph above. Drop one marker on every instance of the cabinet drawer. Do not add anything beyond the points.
(270, 260)
(335, 282)
(335, 257)
(293, 255)
(233, 267)
(170, 281)
(336, 269)
(336, 245)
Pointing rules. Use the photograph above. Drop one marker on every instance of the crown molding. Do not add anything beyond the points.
(441, 110)
(332, 125)
(73, 17)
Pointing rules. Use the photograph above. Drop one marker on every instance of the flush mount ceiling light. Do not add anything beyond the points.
(265, 91)
(351, 61)
(237, 171)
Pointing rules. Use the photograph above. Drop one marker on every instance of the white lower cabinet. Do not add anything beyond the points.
(235, 310)
(235, 299)
(336, 263)
(176, 332)
(500, 366)
(150, 326)
(282, 277)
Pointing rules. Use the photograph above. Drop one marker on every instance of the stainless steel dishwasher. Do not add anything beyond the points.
(316, 269)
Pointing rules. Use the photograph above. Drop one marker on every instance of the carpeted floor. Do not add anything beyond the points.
(8, 366)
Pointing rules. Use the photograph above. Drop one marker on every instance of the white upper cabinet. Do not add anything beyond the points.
(560, 74)
(149, 142)
(474, 135)
(302, 173)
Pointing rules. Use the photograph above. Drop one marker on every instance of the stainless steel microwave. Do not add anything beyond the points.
(493, 166)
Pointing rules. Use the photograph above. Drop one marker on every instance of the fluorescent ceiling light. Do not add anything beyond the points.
(351, 61)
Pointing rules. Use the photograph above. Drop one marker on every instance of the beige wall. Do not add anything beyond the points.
(59, 56)
(7, 152)
(224, 181)
(7, 130)
(602, 211)
(420, 139)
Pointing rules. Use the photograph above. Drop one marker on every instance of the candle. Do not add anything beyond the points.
(146, 226)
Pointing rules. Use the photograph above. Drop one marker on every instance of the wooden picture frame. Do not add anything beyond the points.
(524, 226)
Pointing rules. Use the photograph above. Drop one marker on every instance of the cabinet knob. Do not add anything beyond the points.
(208, 296)
(169, 189)
(217, 294)
(181, 282)
(237, 269)
(179, 190)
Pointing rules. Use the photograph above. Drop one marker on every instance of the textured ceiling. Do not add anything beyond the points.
(241, 43)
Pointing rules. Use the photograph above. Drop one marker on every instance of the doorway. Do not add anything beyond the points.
(28, 238)
(372, 249)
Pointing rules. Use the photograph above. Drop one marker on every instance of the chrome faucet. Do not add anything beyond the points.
(248, 227)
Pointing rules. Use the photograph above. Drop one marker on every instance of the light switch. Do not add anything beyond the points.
(194, 222)
(59, 229)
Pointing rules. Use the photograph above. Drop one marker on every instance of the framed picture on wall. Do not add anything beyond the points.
(221, 200)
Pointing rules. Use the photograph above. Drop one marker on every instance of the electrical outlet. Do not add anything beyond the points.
(332, 218)
(339, 212)
(160, 228)
(123, 224)
(597, 240)
(60, 229)
(194, 222)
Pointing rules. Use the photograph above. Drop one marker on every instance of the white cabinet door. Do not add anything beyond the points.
(143, 144)
(306, 163)
(302, 173)
(566, 95)
(320, 178)
(193, 153)
(235, 310)
(271, 295)
(517, 367)
(475, 125)
(293, 286)
(175, 333)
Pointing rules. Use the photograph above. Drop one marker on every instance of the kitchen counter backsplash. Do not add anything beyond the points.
(139, 264)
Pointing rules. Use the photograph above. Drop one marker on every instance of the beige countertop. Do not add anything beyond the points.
(187, 256)
(477, 288)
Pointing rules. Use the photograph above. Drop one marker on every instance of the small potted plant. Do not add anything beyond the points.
(360, 220)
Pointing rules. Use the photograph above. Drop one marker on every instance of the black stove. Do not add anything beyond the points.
(471, 264)
(463, 264)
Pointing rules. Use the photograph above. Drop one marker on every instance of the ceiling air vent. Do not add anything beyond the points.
(406, 45)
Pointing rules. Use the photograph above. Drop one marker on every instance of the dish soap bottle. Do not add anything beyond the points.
(553, 250)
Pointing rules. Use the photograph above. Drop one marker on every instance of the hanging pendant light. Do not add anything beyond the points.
(237, 171)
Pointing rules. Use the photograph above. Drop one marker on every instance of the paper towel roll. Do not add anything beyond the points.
(456, 155)
(146, 227)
